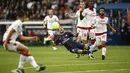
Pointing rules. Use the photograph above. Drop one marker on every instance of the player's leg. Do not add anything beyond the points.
(92, 36)
(82, 48)
(79, 34)
(12, 47)
(26, 55)
(48, 37)
(51, 38)
(103, 50)
(93, 47)
(84, 37)
(79, 39)
(79, 51)
(104, 39)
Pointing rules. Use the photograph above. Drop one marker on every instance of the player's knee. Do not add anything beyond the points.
(26, 52)
(100, 46)
(74, 50)
(103, 44)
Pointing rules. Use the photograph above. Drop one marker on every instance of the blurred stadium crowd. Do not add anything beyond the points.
(37, 9)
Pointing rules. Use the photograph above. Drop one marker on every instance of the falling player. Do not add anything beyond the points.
(49, 20)
(11, 44)
(66, 39)
(101, 23)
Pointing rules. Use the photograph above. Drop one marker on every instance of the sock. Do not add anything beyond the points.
(104, 51)
(21, 61)
(33, 62)
(92, 48)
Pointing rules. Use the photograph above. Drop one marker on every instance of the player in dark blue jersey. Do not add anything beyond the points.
(66, 39)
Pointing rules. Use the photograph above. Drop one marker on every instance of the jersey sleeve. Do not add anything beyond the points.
(107, 21)
(56, 18)
(15, 26)
(94, 21)
(45, 20)
(76, 15)
(84, 13)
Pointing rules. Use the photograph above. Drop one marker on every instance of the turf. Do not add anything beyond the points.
(61, 61)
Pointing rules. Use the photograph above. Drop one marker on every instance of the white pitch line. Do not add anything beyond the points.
(81, 64)
(91, 71)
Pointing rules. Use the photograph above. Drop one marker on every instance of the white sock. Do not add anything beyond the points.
(21, 61)
(32, 61)
(92, 47)
(104, 51)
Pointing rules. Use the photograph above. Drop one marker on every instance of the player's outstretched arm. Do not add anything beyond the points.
(69, 16)
(113, 30)
(26, 38)
(44, 24)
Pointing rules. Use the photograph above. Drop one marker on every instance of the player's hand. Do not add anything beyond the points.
(67, 14)
(35, 38)
(44, 26)
(113, 30)
(5, 44)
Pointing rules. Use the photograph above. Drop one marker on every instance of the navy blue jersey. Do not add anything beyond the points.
(66, 39)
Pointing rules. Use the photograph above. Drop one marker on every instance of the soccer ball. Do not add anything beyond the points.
(55, 25)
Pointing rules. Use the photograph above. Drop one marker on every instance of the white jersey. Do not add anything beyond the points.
(100, 24)
(89, 16)
(49, 21)
(17, 26)
(80, 23)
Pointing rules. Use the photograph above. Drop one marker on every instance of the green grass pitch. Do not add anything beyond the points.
(61, 61)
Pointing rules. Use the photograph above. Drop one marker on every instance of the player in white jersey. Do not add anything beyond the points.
(49, 20)
(89, 15)
(11, 44)
(101, 23)
(80, 23)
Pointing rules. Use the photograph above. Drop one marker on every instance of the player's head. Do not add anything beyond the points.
(20, 15)
(82, 5)
(50, 11)
(61, 30)
(102, 11)
(91, 4)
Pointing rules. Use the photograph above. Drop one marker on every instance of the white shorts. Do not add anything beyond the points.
(12, 46)
(100, 38)
(83, 34)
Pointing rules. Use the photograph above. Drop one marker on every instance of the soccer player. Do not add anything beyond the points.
(89, 15)
(11, 44)
(49, 20)
(101, 24)
(66, 39)
(80, 23)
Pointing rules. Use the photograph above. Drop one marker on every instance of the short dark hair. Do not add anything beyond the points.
(103, 8)
(20, 13)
